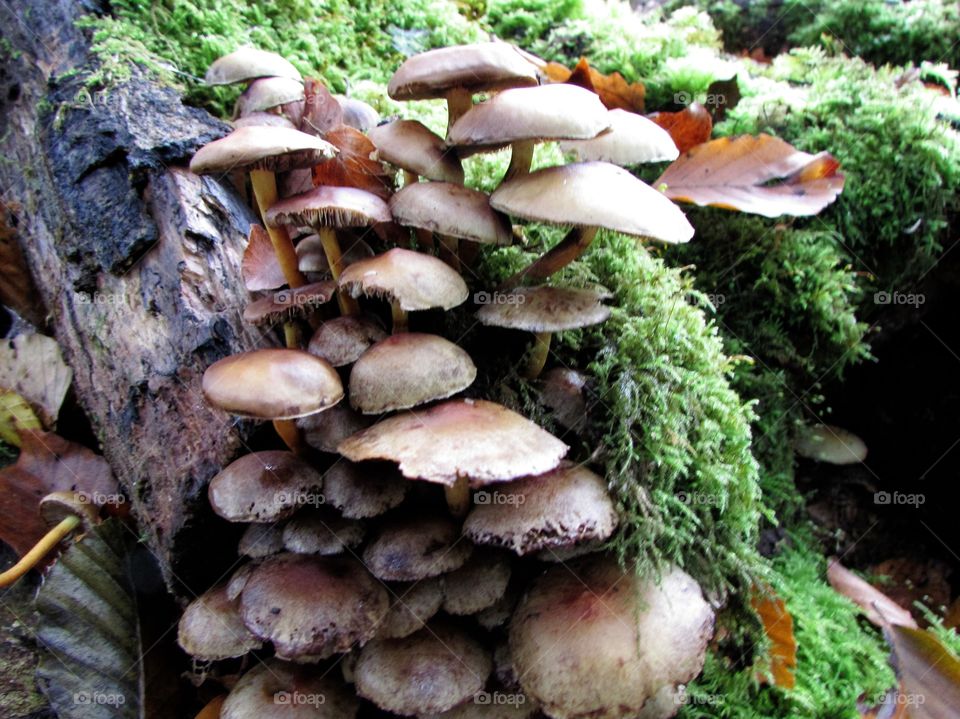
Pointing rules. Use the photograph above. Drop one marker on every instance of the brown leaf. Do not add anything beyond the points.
(17, 290)
(260, 268)
(929, 673)
(32, 366)
(778, 626)
(321, 113)
(762, 175)
(890, 706)
(614, 90)
(724, 96)
(690, 127)
(355, 165)
(555, 72)
(878, 607)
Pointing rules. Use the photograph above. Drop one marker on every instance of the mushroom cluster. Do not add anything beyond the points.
(413, 546)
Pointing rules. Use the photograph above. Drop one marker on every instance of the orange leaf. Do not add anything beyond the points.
(762, 175)
(778, 626)
(690, 127)
(878, 607)
(355, 165)
(260, 268)
(614, 90)
(556, 72)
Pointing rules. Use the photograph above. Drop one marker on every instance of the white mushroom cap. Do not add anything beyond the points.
(261, 147)
(451, 210)
(413, 280)
(547, 309)
(210, 628)
(633, 139)
(267, 93)
(278, 690)
(830, 444)
(249, 63)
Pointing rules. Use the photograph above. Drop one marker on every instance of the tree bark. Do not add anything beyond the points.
(137, 263)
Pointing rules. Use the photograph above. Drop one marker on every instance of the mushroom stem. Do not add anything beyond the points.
(570, 248)
(425, 239)
(449, 251)
(400, 323)
(469, 251)
(290, 434)
(29, 560)
(410, 178)
(521, 157)
(264, 185)
(458, 497)
(459, 101)
(331, 247)
(538, 355)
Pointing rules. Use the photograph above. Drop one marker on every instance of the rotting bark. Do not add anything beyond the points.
(137, 262)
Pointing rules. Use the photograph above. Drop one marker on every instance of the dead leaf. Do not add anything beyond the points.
(878, 607)
(260, 268)
(17, 290)
(15, 417)
(32, 366)
(724, 96)
(762, 175)
(355, 164)
(929, 673)
(321, 113)
(690, 127)
(614, 90)
(778, 626)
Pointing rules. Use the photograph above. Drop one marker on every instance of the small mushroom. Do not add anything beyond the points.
(357, 114)
(263, 487)
(363, 490)
(415, 149)
(287, 304)
(413, 548)
(321, 531)
(278, 690)
(263, 118)
(342, 340)
(210, 628)
(830, 444)
(479, 584)
(249, 63)
(270, 92)
(563, 392)
(261, 540)
(312, 259)
(413, 605)
(632, 140)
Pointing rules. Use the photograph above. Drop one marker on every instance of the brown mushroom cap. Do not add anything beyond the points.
(268, 92)
(412, 146)
(547, 112)
(57, 506)
(451, 210)
(210, 628)
(325, 430)
(413, 606)
(561, 508)
(592, 641)
(285, 304)
(430, 671)
(593, 194)
(238, 580)
(412, 279)
(499, 613)
(407, 370)
(328, 206)
(267, 119)
(357, 114)
(633, 139)
(278, 690)
(261, 540)
(312, 258)
(830, 444)
(342, 340)
(546, 309)
(321, 531)
(259, 147)
(366, 490)
(249, 63)
(262, 487)
(413, 548)
(479, 584)
(314, 606)
(477, 68)
(460, 438)
(564, 392)
(272, 384)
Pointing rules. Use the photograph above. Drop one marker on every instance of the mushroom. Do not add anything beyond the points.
(342, 340)
(632, 140)
(249, 63)
(414, 604)
(312, 259)
(479, 584)
(363, 490)
(286, 304)
(211, 630)
(261, 540)
(278, 690)
(418, 151)
(414, 548)
(271, 92)
(321, 531)
(563, 391)
(357, 114)
(830, 444)
(263, 487)
(267, 119)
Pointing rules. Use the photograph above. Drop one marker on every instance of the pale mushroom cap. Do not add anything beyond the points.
(460, 438)
(210, 628)
(267, 119)
(361, 491)
(414, 605)
(830, 444)
(272, 384)
(342, 340)
(314, 606)
(327, 206)
(357, 114)
(412, 279)
(477, 68)
(260, 147)
(412, 146)
(547, 112)
(278, 690)
(633, 139)
(413, 548)
(262, 486)
(288, 303)
(451, 210)
(590, 641)
(561, 508)
(248, 63)
(407, 370)
(325, 430)
(546, 309)
(261, 540)
(321, 531)
(593, 194)
(479, 584)
(268, 92)
(430, 671)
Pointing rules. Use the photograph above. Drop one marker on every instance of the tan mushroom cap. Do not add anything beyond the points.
(593, 194)
(322, 531)
(413, 280)
(413, 548)
(479, 584)
(547, 112)
(451, 210)
(278, 690)
(633, 139)
(269, 92)
(325, 430)
(561, 508)
(259, 147)
(591, 641)
(285, 304)
(357, 114)
(460, 438)
(328, 206)
(342, 340)
(57, 506)
(210, 628)
(262, 486)
(413, 606)
(476, 68)
(830, 444)
(248, 63)
(261, 540)
(267, 119)
(430, 671)
(272, 384)
(366, 490)
(313, 606)
(412, 146)
(407, 370)
(546, 309)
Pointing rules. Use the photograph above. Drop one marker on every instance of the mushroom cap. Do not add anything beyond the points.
(262, 486)
(564, 392)
(413, 606)
(267, 119)
(272, 384)
(261, 540)
(499, 613)
(57, 506)
(328, 206)
(238, 580)
(342, 340)
(451, 210)
(278, 690)
(546, 112)
(248, 63)
(366, 490)
(325, 430)
(286, 304)
(210, 628)
(591, 641)
(479, 584)
(312, 257)
(477, 68)
(430, 671)
(407, 370)
(357, 114)
(259, 147)
(321, 531)
(412, 146)
(268, 92)
(633, 139)
(546, 309)
(315, 606)
(593, 194)
(561, 508)
(412, 279)
(831, 444)
(413, 548)
(459, 438)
